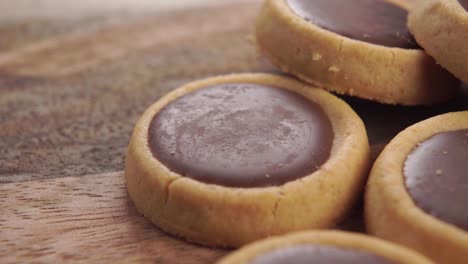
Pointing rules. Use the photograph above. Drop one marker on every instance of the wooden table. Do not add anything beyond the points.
(73, 81)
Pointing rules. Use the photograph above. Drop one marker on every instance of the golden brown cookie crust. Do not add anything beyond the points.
(441, 27)
(347, 66)
(230, 217)
(390, 212)
(369, 244)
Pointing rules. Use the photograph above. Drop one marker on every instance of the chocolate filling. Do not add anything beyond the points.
(436, 175)
(241, 135)
(319, 254)
(373, 21)
(464, 3)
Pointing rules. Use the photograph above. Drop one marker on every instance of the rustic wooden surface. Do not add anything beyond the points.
(71, 90)
(69, 102)
(84, 219)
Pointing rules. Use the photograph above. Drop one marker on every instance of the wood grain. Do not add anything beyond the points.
(17, 34)
(91, 219)
(80, 123)
(71, 9)
(85, 219)
(82, 49)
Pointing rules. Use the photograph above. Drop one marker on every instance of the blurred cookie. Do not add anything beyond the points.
(324, 247)
(418, 189)
(360, 48)
(232, 159)
(441, 28)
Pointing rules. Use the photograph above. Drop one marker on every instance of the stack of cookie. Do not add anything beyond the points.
(232, 159)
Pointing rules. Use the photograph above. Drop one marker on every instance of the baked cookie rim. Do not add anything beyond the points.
(342, 239)
(210, 215)
(346, 66)
(456, 8)
(390, 180)
(151, 163)
(454, 15)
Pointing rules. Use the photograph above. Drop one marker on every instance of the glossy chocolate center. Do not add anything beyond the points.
(464, 3)
(373, 21)
(241, 135)
(436, 175)
(319, 254)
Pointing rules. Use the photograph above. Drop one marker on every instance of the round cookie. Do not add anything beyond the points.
(324, 247)
(360, 48)
(418, 189)
(441, 28)
(228, 160)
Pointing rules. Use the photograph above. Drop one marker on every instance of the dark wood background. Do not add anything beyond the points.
(71, 90)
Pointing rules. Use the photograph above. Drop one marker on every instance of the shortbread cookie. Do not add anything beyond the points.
(324, 247)
(441, 27)
(418, 189)
(232, 159)
(360, 48)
